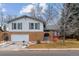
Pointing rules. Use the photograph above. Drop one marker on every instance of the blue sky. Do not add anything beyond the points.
(18, 9)
(13, 8)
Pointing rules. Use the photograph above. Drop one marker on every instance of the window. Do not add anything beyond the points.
(31, 25)
(13, 25)
(34, 25)
(16, 26)
(37, 25)
(19, 25)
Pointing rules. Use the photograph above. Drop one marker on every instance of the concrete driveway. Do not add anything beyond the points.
(12, 45)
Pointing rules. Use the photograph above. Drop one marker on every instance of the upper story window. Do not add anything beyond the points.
(19, 25)
(31, 25)
(16, 26)
(34, 25)
(13, 25)
(37, 25)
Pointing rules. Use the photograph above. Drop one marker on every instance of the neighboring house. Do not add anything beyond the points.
(25, 28)
(51, 32)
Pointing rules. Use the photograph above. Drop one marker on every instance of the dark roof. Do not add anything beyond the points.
(24, 16)
(52, 27)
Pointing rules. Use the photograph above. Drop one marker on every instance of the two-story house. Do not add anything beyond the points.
(26, 28)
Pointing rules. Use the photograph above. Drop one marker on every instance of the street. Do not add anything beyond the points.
(40, 53)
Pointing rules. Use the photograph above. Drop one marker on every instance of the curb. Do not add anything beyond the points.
(50, 49)
(54, 49)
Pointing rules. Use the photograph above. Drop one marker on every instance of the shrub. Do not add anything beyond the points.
(38, 42)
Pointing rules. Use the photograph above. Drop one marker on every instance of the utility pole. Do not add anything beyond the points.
(33, 11)
(64, 32)
(64, 24)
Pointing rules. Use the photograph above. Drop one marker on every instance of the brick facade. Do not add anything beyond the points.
(33, 36)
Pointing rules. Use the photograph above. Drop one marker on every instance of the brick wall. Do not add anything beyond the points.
(33, 36)
(36, 36)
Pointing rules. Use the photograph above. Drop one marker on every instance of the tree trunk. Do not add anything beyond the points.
(77, 38)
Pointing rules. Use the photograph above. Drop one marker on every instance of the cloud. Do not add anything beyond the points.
(3, 10)
(29, 8)
(26, 9)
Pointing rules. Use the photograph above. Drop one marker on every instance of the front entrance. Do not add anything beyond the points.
(5, 37)
(46, 36)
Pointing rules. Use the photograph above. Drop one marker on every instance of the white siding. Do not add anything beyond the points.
(25, 25)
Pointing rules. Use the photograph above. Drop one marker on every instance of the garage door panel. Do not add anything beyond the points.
(20, 37)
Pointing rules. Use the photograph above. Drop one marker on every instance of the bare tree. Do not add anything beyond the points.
(1, 17)
(51, 13)
(70, 20)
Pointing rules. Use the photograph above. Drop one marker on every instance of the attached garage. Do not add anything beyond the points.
(20, 37)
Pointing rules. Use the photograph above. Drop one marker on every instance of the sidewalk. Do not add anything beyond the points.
(53, 49)
(29, 49)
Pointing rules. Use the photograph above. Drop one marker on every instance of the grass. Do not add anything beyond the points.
(67, 44)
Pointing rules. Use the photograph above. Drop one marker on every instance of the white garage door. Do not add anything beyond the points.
(20, 37)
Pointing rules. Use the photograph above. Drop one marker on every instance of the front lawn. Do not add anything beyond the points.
(67, 44)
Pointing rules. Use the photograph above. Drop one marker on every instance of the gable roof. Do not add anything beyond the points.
(24, 16)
